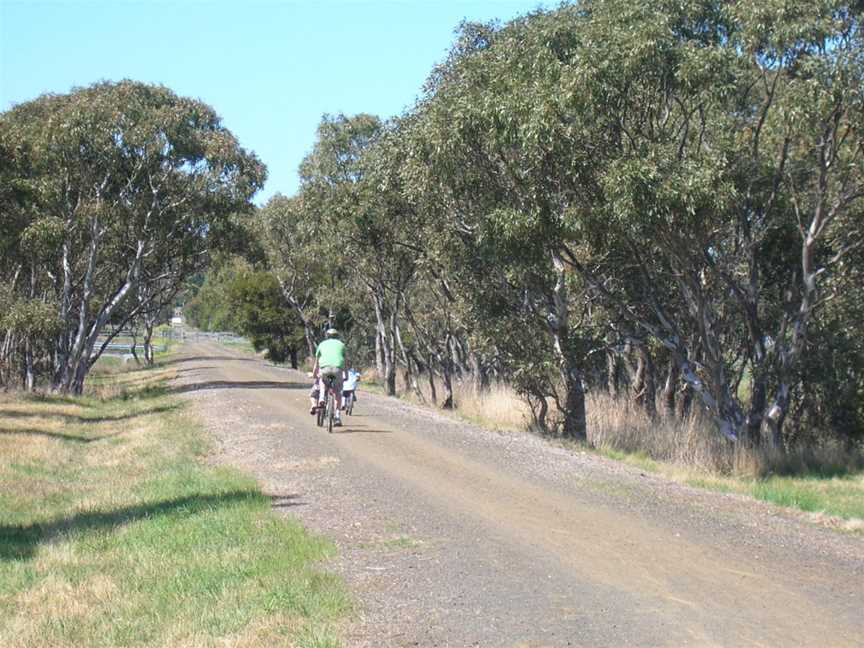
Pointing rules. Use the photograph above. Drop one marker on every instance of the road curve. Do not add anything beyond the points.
(450, 535)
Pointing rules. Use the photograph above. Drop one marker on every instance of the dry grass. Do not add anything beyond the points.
(498, 407)
(693, 442)
(618, 425)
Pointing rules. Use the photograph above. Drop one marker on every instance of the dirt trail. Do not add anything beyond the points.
(454, 536)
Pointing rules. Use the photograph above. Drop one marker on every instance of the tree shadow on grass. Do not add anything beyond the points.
(236, 384)
(77, 418)
(58, 435)
(20, 542)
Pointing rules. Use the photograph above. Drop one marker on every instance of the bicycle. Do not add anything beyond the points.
(348, 401)
(328, 412)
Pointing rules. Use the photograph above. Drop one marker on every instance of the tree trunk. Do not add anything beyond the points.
(637, 379)
(379, 354)
(149, 356)
(383, 356)
(81, 372)
(308, 332)
(133, 348)
(387, 328)
(575, 424)
(431, 378)
(410, 376)
(673, 375)
(29, 378)
(613, 374)
(6, 359)
(447, 380)
(479, 382)
(647, 394)
(756, 411)
(539, 411)
(777, 415)
(684, 400)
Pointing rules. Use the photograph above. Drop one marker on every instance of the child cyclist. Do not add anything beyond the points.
(349, 388)
(315, 393)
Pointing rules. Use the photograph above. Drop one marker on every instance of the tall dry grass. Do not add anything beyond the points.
(693, 442)
(620, 426)
(498, 407)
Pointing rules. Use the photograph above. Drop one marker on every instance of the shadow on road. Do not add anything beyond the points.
(19, 542)
(185, 359)
(236, 384)
(191, 369)
(285, 501)
(358, 429)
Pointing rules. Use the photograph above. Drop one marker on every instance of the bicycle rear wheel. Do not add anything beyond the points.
(320, 415)
(331, 403)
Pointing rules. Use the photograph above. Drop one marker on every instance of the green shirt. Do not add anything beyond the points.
(331, 353)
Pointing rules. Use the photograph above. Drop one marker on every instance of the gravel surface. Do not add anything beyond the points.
(452, 535)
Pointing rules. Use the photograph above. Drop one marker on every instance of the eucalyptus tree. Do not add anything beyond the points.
(28, 317)
(667, 155)
(734, 134)
(297, 253)
(124, 170)
(365, 229)
(492, 137)
(810, 132)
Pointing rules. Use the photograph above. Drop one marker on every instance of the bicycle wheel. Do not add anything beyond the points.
(331, 403)
(320, 415)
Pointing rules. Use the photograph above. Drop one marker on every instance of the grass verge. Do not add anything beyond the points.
(839, 497)
(115, 531)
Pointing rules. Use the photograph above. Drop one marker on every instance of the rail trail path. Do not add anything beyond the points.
(450, 535)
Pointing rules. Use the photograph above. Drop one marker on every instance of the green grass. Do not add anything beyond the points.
(638, 459)
(245, 346)
(115, 531)
(839, 496)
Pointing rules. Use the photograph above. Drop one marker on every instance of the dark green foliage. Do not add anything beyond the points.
(264, 316)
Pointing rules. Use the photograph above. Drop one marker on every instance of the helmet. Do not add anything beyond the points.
(332, 332)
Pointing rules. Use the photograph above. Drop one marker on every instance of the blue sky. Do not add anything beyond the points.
(269, 68)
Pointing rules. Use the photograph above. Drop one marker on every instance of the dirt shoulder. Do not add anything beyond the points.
(451, 535)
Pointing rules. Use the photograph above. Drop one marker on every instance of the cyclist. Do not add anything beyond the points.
(330, 363)
(349, 387)
(315, 394)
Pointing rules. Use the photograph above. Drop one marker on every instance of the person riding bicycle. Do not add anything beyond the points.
(349, 387)
(330, 363)
(315, 394)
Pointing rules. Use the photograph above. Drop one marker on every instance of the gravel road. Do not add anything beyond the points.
(454, 536)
